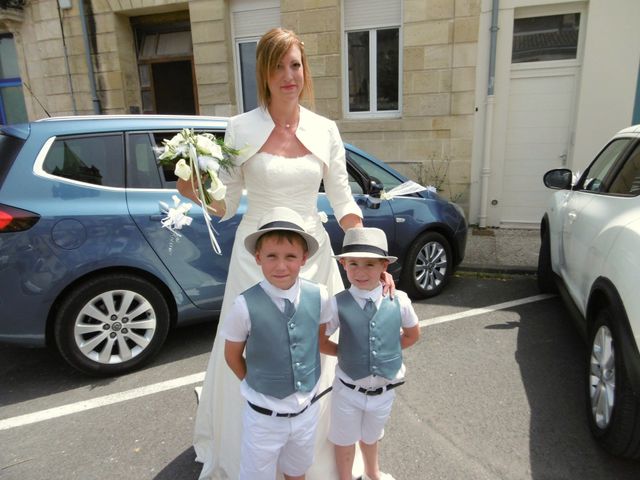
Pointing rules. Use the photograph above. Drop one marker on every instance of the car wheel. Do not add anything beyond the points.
(613, 408)
(546, 280)
(111, 324)
(427, 268)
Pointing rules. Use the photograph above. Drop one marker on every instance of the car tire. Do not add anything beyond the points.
(428, 266)
(613, 408)
(111, 324)
(545, 275)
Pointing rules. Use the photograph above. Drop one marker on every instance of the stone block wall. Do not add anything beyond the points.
(439, 42)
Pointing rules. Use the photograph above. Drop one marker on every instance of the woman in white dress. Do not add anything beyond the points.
(285, 152)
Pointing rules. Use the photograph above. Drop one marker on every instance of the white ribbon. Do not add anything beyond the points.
(176, 216)
(199, 188)
(405, 188)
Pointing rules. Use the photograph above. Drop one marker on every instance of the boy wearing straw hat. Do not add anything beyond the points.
(276, 325)
(374, 329)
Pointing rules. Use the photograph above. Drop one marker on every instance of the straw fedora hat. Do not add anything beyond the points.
(281, 218)
(365, 242)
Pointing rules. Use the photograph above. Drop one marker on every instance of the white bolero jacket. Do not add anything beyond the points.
(248, 131)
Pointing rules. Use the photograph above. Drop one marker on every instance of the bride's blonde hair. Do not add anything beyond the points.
(270, 50)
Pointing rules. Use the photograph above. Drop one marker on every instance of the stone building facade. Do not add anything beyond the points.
(437, 44)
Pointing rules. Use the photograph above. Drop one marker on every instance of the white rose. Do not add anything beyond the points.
(182, 170)
(208, 146)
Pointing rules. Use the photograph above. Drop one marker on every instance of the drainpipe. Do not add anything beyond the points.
(87, 51)
(485, 172)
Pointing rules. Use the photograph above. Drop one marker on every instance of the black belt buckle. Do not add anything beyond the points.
(270, 413)
(377, 391)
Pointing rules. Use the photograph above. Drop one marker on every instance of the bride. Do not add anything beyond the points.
(285, 152)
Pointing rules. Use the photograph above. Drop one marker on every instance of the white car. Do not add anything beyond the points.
(590, 253)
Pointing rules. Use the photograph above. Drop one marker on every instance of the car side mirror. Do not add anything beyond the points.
(558, 179)
(375, 187)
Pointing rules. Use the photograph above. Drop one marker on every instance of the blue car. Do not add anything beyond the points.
(86, 267)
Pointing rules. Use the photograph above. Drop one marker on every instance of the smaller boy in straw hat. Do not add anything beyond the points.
(374, 329)
(276, 324)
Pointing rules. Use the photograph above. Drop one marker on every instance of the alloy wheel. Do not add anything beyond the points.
(115, 326)
(602, 377)
(431, 266)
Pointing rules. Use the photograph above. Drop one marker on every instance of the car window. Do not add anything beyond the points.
(374, 171)
(627, 181)
(95, 159)
(356, 188)
(9, 148)
(143, 170)
(594, 177)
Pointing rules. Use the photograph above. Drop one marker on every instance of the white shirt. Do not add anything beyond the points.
(237, 328)
(409, 319)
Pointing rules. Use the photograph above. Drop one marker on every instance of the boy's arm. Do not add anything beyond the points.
(409, 336)
(327, 346)
(233, 355)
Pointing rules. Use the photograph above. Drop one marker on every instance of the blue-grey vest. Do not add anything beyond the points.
(369, 347)
(283, 354)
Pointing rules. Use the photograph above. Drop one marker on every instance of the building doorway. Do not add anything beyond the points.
(165, 64)
(173, 87)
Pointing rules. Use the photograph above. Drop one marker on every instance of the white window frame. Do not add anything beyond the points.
(372, 28)
(530, 12)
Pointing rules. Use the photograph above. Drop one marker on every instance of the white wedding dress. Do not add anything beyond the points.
(270, 181)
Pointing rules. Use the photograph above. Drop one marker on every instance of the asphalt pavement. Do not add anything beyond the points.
(501, 250)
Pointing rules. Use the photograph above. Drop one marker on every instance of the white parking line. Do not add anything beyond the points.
(483, 310)
(82, 406)
(63, 410)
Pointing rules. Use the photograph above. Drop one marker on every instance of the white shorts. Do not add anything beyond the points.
(276, 443)
(356, 416)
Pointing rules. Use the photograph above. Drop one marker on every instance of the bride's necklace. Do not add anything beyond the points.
(286, 125)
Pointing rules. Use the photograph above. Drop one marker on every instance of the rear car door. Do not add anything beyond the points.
(187, 254)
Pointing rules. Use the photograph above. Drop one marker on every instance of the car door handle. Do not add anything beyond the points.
(156, 218)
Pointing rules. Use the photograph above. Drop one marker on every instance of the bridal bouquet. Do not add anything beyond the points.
(197, 158)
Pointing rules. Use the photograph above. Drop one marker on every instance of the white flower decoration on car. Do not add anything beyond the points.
(405, 188)
(176, 216)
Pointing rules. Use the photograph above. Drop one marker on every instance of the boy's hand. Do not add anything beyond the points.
(326, 346)
(233, 355)
(388, 285)
(409, 336)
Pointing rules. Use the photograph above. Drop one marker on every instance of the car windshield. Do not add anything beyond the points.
(594, 177)
(374, 171)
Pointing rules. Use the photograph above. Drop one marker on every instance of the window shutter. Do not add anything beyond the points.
(252, 18)
(380, 13)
